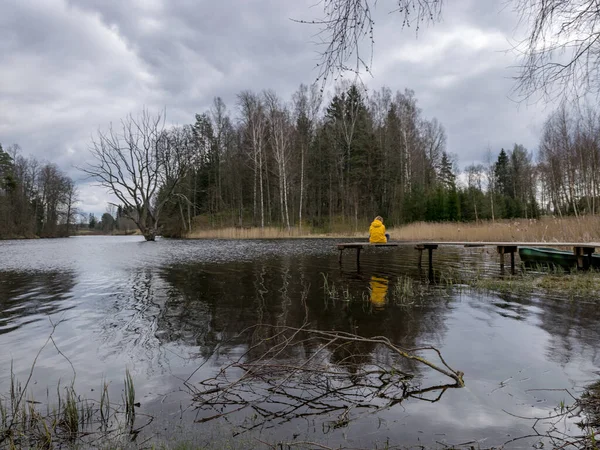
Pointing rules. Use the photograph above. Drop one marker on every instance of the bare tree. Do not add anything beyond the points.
(569, 160)
(307, 102)
(137, 162)
(252, 110)
(71, 198)
(489, 173)
(280, 131)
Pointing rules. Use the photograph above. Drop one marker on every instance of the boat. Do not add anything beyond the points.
(546, 256)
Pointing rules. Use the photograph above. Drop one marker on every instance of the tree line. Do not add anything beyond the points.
(322, 165)
(306, 163)
(362, 154)
(36, 199)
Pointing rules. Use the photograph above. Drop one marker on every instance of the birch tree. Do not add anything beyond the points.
(280, 131)
(307, 102)
(253, 121)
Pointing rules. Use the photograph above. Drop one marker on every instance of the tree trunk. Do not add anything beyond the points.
(301, 186)
(260, 178)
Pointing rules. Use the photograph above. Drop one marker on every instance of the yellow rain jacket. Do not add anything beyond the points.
(377, 233)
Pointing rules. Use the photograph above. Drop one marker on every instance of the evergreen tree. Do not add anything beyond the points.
(7, 181)
(447, 176)
(502, 174)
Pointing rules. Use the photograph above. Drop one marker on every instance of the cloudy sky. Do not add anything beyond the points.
(69, 67)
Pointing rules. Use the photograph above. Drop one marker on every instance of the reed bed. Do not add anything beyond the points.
(546, 229)
(269, 233)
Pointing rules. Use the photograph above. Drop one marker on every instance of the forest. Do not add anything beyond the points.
(362, 154)
(36, 199)
(320, 166)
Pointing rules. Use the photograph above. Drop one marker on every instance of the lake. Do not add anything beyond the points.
(171, 312)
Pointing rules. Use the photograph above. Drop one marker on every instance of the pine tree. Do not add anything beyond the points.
(502, 174)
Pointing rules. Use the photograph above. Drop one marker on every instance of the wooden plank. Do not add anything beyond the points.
(365, 244)
(507, 248)
(425, 244)
(509, 243)
(478, 244)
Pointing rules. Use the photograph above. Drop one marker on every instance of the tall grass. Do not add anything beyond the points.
(546, 229)
(270, 233)
(129, 399)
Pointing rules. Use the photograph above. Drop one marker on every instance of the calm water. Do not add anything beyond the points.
(172, 309)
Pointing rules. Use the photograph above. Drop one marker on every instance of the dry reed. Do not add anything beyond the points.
(546, 229)
(268, 233)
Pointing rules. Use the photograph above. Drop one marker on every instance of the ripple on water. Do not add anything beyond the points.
(161, 309)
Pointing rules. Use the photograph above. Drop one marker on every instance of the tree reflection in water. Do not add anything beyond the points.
(27, 296)
(281, 368)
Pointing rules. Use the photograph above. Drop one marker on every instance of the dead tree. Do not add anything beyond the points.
(141, 166)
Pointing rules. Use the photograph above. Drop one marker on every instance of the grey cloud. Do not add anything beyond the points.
(71, 66)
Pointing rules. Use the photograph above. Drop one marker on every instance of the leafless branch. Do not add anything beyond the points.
(346, 23)
(338, 375)
(560, 58)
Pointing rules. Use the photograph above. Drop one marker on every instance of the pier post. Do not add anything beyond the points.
(512, 263)
(340, 257)
(358, 249)
(419, 248)
(502, 249)
(430, 250)
(584, 257)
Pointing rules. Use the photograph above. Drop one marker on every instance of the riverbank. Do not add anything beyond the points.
(84, 232)
(546, 229)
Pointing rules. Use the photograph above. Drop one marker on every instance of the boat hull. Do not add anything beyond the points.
(532, 256)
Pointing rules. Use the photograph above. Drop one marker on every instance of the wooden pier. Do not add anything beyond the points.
(582, 250)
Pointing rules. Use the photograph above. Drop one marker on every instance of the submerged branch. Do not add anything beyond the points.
(336, 373)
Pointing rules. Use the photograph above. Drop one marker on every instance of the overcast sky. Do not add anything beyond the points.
(69, 67)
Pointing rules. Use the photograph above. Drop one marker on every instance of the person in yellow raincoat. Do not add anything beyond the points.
(377, 234)
(379, 288)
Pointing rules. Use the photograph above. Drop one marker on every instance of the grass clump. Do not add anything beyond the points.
(590, 405)
(583, 285)
(407, 292)
(69, 420)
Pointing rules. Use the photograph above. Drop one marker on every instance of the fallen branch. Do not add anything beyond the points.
(288, 373)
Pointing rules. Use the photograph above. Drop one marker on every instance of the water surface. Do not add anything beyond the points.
(170, 309)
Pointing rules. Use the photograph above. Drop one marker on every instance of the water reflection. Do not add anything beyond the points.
(379, 288)
(570, 325)
(26, 297)
(208, 311)
(178, 305)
